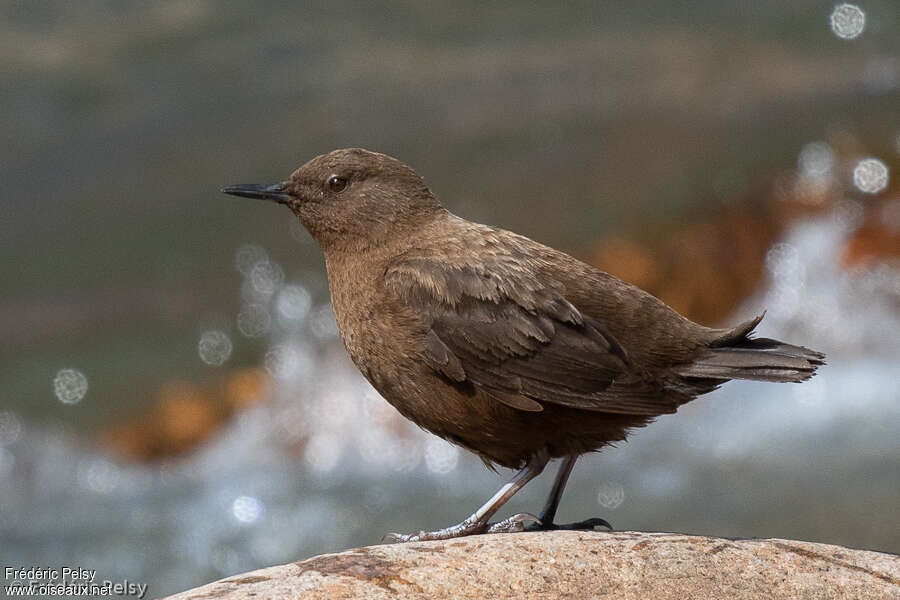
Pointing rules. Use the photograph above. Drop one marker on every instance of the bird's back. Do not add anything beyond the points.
(652, 333)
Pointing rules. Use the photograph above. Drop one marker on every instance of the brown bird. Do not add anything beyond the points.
(504, 346)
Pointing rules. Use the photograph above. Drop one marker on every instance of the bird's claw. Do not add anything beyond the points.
(467, 527)
(512, 524)
(589, 524)
(401, 537)
(586, 525)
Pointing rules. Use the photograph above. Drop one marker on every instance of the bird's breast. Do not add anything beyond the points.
(381, 336)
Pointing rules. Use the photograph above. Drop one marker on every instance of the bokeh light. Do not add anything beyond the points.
(99, 474)
(254, 320)
(266, 277)
(870, 175)
(848, 21)
(440, 456)
(214, 347)
(248, 255)
(287, 361)
(293, 302)
(815, 165)
(70, 386)
(783, 262)
(323, 451)
(247, 509)
(323, 324)
(816, 159)
(610, 495)
(403, 453)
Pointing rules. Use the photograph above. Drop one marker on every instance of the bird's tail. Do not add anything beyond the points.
(734, 355)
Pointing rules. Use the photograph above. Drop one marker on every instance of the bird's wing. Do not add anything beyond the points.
(510, 332)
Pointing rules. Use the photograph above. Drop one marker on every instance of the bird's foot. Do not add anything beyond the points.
(468, 527)
(586, 525)
(513, 524)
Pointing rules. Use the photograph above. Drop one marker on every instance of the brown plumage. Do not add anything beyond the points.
(493, 341)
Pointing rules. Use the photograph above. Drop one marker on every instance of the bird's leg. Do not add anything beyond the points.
(548, 514)
(477, 522)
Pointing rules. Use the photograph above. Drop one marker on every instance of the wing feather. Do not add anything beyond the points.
(511, 333)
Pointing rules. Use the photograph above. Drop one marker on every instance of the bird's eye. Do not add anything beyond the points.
(337, 184)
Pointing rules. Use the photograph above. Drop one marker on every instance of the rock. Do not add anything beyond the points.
(577, 565)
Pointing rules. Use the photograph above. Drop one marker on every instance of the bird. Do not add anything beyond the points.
(513, 350)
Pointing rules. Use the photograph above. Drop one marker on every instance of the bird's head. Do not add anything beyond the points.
(351, 199)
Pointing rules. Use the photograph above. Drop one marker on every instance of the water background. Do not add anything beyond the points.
(124, 269)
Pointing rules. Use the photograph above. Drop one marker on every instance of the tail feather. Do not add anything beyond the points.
(736, 356)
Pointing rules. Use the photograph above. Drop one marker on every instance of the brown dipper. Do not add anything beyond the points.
(504, 346)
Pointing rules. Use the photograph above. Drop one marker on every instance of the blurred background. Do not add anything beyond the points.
(175, 405)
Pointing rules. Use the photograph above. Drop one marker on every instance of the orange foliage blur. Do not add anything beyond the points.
(184, 415)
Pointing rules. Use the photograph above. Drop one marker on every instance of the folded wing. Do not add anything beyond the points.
(511, 333)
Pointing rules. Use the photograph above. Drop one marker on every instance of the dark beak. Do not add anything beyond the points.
(262, 191)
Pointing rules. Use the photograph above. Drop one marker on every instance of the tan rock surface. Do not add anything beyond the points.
(575, 565)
